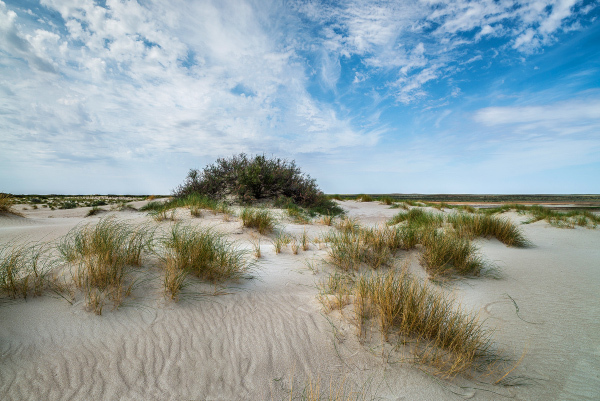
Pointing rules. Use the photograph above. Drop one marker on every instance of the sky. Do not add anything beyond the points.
(411, 96)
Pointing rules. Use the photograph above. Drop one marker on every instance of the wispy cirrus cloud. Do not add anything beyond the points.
(422, 40)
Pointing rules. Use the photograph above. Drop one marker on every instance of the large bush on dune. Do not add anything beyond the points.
(247, 179)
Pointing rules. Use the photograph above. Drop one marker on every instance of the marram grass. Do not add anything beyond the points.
(441, 335)
(200, 252)
(481, 225)
(447, 253)
(260, 219)
(100, 254)
(24, 269)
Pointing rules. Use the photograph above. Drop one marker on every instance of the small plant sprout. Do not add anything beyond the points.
(256, 248)
(294, 245)
(195, 211)
(305, 241)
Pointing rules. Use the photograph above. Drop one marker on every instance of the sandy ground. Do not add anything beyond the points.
(262, 337)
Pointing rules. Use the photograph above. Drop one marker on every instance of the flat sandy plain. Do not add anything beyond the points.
(263, 338)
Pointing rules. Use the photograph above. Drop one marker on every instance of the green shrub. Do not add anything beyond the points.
(252, 178)
(68, 205)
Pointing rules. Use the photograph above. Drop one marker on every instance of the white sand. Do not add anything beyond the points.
(266, 334)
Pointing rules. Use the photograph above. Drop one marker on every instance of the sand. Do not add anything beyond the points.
(264, 337)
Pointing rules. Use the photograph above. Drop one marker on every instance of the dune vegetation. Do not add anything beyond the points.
(6, 204)
(100, 256)
(260, 219)
(24, 269)
(247, 180)
(200, 252)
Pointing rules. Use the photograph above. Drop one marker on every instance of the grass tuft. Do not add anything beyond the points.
(447, 252)
(481, 225)
(364, 198)
(418, 218)
(445, 337)
(100, 255)
(354, 246)
(200, 252)
(260, 219)
(93, 211)
(23, 269)
(6, 204)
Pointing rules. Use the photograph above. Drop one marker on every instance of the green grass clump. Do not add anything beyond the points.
(478, 225)
(100, 254)
(355, 245)
(152, 206)
(386, 200)
(260, 219)
(93, 211)
(200, 252)
(324, 206)
(417, 217)
(467, 208)
(23, 269)
(444, 336)
(446, 253)
(400, 205)
(364, 198)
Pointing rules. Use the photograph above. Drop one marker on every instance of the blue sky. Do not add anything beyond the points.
(420, 96)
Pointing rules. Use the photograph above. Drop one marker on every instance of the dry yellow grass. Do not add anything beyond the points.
(439, 333)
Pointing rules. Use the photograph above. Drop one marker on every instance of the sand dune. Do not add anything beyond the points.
(258, 338)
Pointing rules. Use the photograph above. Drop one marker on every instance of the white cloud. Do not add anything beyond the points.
(563, 113)
(138, 81)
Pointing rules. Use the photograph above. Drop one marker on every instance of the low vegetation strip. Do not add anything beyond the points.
(466, 225)
(445, 251)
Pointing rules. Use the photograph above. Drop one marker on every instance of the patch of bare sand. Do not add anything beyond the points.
(259, 337)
